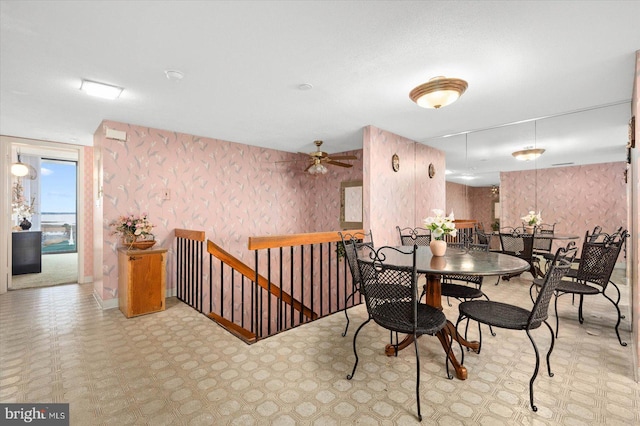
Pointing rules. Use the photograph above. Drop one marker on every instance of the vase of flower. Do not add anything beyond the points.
(135, 231)
(440, 225)
(438, 247)
(25, 224)
(529, 229)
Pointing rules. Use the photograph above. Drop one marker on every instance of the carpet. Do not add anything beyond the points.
(56, 269)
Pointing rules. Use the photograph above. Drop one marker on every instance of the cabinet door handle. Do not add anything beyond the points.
(135, 257)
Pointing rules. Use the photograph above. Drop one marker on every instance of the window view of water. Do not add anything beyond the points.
(58, 218)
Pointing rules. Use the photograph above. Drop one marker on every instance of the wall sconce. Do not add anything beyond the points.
(19, 169)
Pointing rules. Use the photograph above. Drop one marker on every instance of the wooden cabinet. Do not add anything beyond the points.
(142, 281)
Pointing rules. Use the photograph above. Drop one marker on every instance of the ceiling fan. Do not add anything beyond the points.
(318, 159)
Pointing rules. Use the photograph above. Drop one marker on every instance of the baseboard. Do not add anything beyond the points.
(108, 304)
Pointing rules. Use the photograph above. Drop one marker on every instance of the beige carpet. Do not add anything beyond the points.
(56, 269)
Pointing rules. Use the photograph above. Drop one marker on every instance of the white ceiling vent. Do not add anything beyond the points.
(115, 134)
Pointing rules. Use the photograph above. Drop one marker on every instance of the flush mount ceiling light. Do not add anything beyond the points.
(174, 75)
(438, 92)
(528, 154)
(100, 90)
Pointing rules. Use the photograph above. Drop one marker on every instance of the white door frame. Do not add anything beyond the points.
(43, 147)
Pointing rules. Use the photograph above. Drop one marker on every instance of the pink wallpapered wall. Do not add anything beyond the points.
(400, 198)
(575, 198)
(229, 190)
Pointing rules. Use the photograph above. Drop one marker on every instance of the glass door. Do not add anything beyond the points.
(58, 206)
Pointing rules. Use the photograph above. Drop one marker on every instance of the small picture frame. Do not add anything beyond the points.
(632, 133)
(395, 162)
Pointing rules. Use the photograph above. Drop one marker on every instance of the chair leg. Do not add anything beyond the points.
(415, 343)
(535, 372)
(618, 298)
(619, 317)
(355, 352)
(580, 317)
(346, 327)
(555, 306)
(550, 349)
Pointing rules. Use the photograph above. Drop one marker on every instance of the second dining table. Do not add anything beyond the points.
(455, 261)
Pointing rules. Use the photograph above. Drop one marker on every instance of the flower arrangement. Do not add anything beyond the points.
(132, 227)
(532, 219)
(20, 206)
(440, 225)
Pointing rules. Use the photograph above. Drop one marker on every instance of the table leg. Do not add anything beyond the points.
(446, 335)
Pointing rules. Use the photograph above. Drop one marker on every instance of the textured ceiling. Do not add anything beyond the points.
(243, 63)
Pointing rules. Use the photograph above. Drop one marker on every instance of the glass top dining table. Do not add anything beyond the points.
(455, 261)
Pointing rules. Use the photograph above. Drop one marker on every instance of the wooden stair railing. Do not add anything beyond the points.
(249, 273)
(189, 267)
(241, 302)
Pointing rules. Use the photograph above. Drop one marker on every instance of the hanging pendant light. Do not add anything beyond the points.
(438, 92)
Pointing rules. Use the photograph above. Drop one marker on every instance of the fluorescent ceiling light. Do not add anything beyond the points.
(100, 90)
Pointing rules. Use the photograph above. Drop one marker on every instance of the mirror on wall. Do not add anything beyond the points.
(351, 204)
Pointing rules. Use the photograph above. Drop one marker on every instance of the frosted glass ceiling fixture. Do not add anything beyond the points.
(528, 154)
(100, 90)
(317, 168)
(438, 92)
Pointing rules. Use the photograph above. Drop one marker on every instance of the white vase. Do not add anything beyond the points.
(438, 247)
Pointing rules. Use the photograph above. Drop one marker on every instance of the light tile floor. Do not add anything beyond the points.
(179, 368)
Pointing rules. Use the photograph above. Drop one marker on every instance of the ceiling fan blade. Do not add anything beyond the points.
(337, 163)
(344, 157)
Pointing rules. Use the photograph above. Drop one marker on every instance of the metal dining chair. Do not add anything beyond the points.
(391, 295)
(517, 242)
(512, 317)
(357, 240)
(597, 261)
(414, 236)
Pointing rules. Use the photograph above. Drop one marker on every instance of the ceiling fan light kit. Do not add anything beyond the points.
(318, 159)
(438, 92)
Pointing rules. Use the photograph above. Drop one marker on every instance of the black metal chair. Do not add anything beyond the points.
(391, 296)
(517, 242)
(503, 315)
(464, 287)
(597, 261)
(358, 239)
(541, 245)
(414, 236)
(482, 237)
